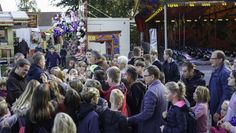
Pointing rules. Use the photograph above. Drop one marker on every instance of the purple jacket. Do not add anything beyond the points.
(201, 113)
(153, 105)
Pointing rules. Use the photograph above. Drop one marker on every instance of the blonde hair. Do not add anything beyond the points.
(3, 81)
(90, 95)
(202, 94)
(178, 88)
(24, 100)
(3, 107)
(63, 123)
(116, 97)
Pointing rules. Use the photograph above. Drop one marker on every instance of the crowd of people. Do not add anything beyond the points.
(139, 94)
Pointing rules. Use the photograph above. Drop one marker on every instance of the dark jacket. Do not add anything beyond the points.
(158, 64)
(171, 71)
(15, 86)
(176, 121)
(113, 122)
(88, 120)
(192, 83)
(63, 52)
(35, 72)
(135, 96)
(23, 47)
(219, 89)
(44, 126)
(153, 105)
(52, 60)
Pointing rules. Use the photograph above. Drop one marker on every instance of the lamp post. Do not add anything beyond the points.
(165, 24)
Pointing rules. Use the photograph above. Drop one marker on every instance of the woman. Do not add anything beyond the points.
(41, 114)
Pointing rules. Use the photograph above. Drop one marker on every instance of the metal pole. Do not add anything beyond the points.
(165, 24)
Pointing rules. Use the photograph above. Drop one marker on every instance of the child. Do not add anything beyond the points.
(6, 119)
(223, 112)
(113, 121)
(63, 123)
(3, 89)
(201, 97)
(176, 121)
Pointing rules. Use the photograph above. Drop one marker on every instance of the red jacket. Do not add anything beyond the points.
(123, 89)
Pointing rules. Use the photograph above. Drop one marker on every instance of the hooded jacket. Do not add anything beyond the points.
(87, 119)
(192, 83)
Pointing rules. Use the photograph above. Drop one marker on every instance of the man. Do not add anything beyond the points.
(137, 54)
(23, 47)
(17, 82)
(52, 58)
(140, 65)
(218, 85)
(170, 67)
(155, 60)
(17, 57)
(37, 68)
(147, 59)
(191, 78)
(153, 105)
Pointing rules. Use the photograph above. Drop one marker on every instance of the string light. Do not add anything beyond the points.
(191, 5)
(189, 20)
(224, 4)
(220, 19)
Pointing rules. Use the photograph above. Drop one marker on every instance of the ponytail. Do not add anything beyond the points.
(182, 89)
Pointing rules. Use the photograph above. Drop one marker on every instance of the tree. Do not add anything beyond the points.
(27, 5)
(101, 8)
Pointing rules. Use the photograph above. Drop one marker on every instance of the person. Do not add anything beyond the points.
(114, 61)
(223, 112)
(175, 117)
(52, 58)
(114, 81)
(63, 124)
(6, 119)
(170, 67)
(72, 103)
(3, 87)
(136, 55)
(17, 57)
(140, 66)
(147, 59)
(63, 54)
(37, 68)
(192, 78)
(122, 64)
(202, 97)
(88, 119)
(155, 60)
(22, 104)
(23, 47)
(218, 85)
(16, 81)
(153, 105)
(112, 120)
(135, 92)
(41, 112)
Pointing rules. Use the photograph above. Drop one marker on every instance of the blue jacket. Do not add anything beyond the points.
(35, 73)
(87, 119)
(153, 105)
(171, 71)
(219, 89)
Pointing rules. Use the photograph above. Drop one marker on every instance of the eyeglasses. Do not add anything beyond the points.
(146, 76)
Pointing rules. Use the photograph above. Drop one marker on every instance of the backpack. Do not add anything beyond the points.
(191, 122)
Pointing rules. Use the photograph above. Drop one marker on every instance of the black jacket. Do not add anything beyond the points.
(176, 121)
(171, 71)
(113, 122)
(158, 64)
(15, 86)
(192, 83)
(135, 97)
(23, 47)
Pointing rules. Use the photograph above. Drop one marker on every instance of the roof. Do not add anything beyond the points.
(19, 15)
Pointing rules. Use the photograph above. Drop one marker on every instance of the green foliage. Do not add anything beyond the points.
(27, 5)
(113, 8)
